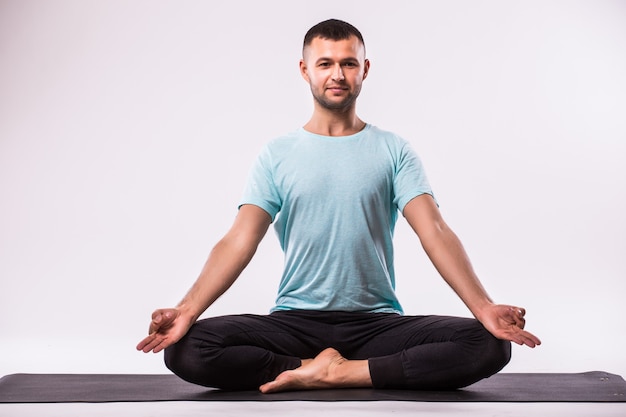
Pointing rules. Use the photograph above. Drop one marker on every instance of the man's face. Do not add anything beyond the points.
(335, 71)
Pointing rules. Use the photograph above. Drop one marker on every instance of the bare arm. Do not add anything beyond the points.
(227, 260)
(225, 263)
(448, 256)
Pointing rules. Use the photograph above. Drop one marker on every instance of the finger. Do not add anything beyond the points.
(155, 323)
(161, 319)
(145, 342)
(163, 314)
(531, 340)
(528, 342)
(140, 345)
(156, 316)
(525, 338)
(513, 334)
(518, 313)
(161, 346)
(522, 321)
(167, 317)
(152, 345)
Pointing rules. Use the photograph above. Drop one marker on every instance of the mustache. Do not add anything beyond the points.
(343, 86)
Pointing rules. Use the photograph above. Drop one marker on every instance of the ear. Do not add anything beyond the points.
(366, 68)
(303, 71)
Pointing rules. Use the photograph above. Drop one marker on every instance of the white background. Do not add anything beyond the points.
(127, 129)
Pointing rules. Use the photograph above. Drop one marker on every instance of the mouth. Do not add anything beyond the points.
(337, 88)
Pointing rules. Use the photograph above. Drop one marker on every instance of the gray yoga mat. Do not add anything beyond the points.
(505, 387)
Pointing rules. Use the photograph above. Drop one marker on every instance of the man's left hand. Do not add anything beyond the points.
(507, 323)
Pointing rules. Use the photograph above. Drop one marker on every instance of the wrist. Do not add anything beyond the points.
(480, 310)
(187, 313)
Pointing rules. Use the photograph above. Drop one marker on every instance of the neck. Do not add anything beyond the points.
(334, 123)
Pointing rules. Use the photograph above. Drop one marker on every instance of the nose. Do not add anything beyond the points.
(338, 73)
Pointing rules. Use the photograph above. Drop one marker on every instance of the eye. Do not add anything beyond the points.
(324, 64)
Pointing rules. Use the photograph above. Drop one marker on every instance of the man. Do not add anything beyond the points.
(333, 189)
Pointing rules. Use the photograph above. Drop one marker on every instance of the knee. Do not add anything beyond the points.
(182, 358)
(487, 356)
(177, 359)
(499, 353)
(494, 355)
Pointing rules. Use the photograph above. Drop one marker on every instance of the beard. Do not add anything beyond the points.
(345, 103)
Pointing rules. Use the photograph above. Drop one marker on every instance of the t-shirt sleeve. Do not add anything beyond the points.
(260, 189)
(410, 178)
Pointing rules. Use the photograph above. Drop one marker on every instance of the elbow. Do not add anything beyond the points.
(434, 231)
(236, 245)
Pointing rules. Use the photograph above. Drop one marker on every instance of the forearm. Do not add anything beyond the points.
(226, 261)
(224, 265)
(451, 261)
(447, 255)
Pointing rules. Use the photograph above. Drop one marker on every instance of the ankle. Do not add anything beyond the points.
(349, 373)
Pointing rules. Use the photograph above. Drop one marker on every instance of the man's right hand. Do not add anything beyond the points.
(167, 327)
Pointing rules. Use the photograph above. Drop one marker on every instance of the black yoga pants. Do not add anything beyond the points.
(242, 352)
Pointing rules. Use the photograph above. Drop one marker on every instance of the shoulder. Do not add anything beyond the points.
(280, 145)
(274, 149)
(391, 141)
(386, 136)
(284, 140)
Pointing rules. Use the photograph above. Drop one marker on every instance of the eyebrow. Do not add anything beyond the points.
(345, 60)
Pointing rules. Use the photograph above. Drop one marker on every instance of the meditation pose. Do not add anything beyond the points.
(333, 190)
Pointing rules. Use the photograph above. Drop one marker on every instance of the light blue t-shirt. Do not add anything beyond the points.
(334, 202)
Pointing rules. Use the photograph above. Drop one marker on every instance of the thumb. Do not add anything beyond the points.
(164, 317)
(159, 319)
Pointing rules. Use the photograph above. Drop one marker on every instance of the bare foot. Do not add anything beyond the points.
(327, 370)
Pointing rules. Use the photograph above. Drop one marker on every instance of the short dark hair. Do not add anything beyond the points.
(332, 29)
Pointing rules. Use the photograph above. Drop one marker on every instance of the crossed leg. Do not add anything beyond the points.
(368, 349)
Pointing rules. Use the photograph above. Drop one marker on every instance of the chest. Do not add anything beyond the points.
(339, 172)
